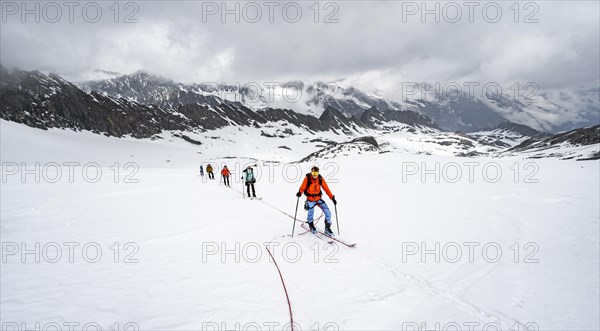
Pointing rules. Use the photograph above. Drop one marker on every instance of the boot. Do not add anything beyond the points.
(328, 229)
(312, 227)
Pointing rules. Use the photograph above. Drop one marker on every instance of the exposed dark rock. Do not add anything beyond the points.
(41, 101)
(595, 156)
(469, 154)
(578, 137)
(150, 89)
(519, 128)
(306, 121)
(264, 134)
(325, 141)
(334, 119)
(369, 140)
(188, 139)
(358, 145)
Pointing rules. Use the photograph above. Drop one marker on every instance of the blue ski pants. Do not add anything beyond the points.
(323, 206)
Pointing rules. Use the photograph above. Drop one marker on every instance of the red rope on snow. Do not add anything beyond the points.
(284, 289)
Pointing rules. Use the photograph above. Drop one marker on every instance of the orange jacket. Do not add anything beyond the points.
(313, 192)
(225, 172)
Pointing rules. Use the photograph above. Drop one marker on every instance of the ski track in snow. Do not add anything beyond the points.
(445, 295)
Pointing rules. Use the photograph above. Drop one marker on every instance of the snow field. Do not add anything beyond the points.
(191, 252)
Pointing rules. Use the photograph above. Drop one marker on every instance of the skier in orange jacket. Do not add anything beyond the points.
(311, 187)
(225, 173)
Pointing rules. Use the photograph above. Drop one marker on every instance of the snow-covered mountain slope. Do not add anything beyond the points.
(466, 110)
(580, 144)
(483, 251)
(304, 98)
(357, 146)
(315, 99)
(155, 90)
(148, 105)
(48, 101)
(506, 134)
(142, 105)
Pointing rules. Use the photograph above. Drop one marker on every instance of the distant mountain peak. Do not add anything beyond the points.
(332, 113)
(372, 113)
(518, 128)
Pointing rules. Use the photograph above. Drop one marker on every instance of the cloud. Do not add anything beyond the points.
(375, 41)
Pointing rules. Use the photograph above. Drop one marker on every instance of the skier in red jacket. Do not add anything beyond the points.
(225, 173)
(311, 187)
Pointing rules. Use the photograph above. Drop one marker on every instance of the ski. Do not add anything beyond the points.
(323, 237)
(345, 243)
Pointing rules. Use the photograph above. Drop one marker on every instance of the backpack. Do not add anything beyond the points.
(249, 176)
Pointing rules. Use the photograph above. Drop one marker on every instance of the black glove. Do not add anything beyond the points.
(299, 194)
(334, 200)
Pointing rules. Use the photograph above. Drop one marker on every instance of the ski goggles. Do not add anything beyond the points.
(315, 173)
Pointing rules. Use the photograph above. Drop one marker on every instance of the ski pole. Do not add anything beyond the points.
(337, 220)
(295, 214)
(243, 193)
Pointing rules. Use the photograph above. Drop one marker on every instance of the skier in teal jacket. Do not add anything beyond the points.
(249, 179)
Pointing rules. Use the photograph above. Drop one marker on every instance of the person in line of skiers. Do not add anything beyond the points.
(250, 180)
(201, 171)
(209, 169)
(225, 173)
(311, 187)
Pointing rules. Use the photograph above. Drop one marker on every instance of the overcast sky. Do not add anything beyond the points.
(373, 44)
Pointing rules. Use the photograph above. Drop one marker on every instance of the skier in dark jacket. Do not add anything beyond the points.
(201, 171)
(311, 187)
(249, 179)
(209, 169)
